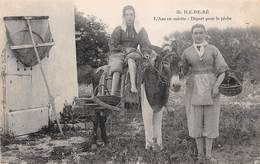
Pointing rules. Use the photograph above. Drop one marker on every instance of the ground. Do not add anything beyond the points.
(238, 141)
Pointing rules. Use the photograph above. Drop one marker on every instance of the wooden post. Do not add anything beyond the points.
(105, 105)
(3, 74)
(51, 98)
(102, 80)
(122, 91)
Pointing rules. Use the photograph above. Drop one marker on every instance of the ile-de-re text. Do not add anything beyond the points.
(187, 11)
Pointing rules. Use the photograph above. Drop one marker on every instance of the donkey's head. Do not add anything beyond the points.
(168, 63)
(172, 69)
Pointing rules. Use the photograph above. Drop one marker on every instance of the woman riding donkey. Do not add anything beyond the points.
(123, 45)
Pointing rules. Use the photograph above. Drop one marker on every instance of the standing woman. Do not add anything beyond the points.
(123, 45)
(206, 68)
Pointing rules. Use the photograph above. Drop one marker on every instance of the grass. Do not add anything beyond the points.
(238, 126)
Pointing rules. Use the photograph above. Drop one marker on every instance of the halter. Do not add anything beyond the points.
(163, 79)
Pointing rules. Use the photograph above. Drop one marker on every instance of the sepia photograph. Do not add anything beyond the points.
(130, 82)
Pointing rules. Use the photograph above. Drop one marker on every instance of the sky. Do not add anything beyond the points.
(152, 14)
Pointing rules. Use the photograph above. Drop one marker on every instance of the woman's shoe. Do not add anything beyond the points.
(211, 160)
(200, 159)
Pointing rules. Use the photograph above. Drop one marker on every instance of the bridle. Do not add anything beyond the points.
(162, 78)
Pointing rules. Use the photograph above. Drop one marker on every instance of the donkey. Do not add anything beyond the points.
(158, 78)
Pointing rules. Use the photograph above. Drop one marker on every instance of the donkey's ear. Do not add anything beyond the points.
(167, 47)
(157, 49)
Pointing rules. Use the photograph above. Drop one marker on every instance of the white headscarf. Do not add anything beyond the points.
(137, 26)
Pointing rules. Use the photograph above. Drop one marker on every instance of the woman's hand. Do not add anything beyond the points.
(215, 92)
(167, 48)
(153, 57)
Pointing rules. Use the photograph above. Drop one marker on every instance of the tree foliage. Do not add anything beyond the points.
(92, 46)
(248, 61)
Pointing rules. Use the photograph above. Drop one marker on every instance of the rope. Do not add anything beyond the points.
(163, 79)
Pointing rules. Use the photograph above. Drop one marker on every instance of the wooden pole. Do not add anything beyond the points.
(105, 105)
(122, 92)
(51, 98)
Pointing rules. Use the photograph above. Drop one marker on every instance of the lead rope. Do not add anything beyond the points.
(162, 78)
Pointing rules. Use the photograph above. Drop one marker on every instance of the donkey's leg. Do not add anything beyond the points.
(102, 123)
(95, 128)
(147, 114)
(132, 72)
(157, 127)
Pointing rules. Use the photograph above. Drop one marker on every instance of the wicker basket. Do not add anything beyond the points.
(230, 86)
